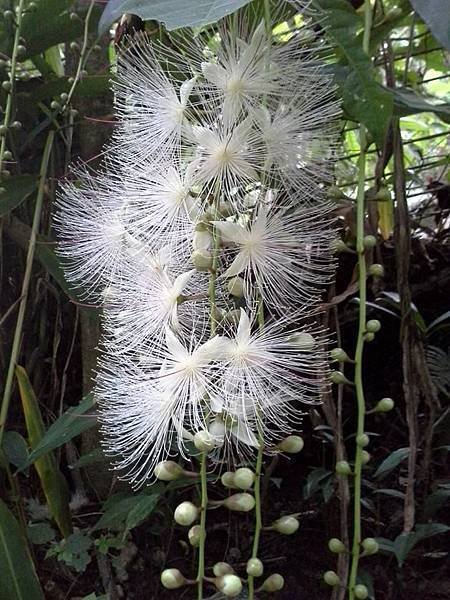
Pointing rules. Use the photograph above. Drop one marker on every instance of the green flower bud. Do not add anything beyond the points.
(331, 578)
(194, 536)
(74, 46)
(202, 260)
(240, 502)
(6, 85)
(222, 568)
(376, 270)
(6, 173)
(343, 468)
(172, 579)
(71, 80)
(8, 15)
(370, 241)
(74, 16)
(21, 50)
(384, 405)
(362, 440)
(230, 585)
(227, 479)
(7, 155)
(340, 355)
(286, 525)
(168, 470)
(255, 568)
(365, 457)
(302, 340)
(32, 6)
(338, 378)
(370, 546)
(369, 337)
(55, 105)
(16, 125)
(203, 441)
(274, 583)
(292, 444)
(3, 130)
(64, 97)
(361, 592)
(336, 546)
(339, 246)
(244, 478)
(186, 513)
(373, 326)
(235, 286)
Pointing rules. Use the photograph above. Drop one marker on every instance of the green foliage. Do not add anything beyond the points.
(73, 551)
(436, 15)
(14, 191)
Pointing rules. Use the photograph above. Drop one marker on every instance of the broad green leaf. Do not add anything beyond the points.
(91, 86)
(405, 542)
(173, 13)
(70, 424)
(436, 14)
(438, 321)
(140, 511)
(15, 449)
(52, 480)
(392, 461)
(14, 191)
(18, 576)
(91, 458)
(408, 102)
(53, 58)
(435, 502)
(41, 533)
(118, 508)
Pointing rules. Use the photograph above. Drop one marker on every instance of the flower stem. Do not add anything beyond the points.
(258, 514)
(359, 389)
(201, 547)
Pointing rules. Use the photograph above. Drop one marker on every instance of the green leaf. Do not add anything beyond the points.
(41, 533)
(392, 461)
(14, 191)
(15, 449)
(407, 102)
(91, 458)
(18, 576)
(365, 101)
(435, 502)
(316, 480)
(436, 14)
(70, 424)
(91, 86)
(173, 13)
(118, 508)
(140, 511)
(52, 480)
(405, 542)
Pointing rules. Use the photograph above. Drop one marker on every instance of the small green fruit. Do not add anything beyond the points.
(339, 354)
(370, 546)
(370, 241)
(376, 270)
(286, 525)
(362, 440)
(365, 457)
(373, 326)
(338, 377)
(274, 583)
(172, 579)
(6, 85)
(361, 592)
(194, 536)
(203, 441)
(55, 105)
(255, 567)
(343, 468)
(331, 578)
(336, 546)
(384, 405)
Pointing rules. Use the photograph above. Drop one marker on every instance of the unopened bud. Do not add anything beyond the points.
(331, 578)
(186, 513)
(373, 326)
(340, 355)
(362, 440)
(227, 479)
(202, 260)
(235, 286)
(302, 340)
(384, 405)
(365, 457)
(343, 468)
(244, 478)
(292, 444)
(361, 592)
(370, 241)
(194, 536)
(203, 441)
(340, 246)
(286, 525)
(202, 241)
(338, 378)
(222, 568)
(172, 579)
(230, 585)
(336, 546)
(254, 568)
(376, 270)
(370, 546)
(240, 502)
(168, 470)
(369, 337)
(274, 583)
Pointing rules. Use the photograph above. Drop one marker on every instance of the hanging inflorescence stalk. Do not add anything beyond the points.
(207, 239)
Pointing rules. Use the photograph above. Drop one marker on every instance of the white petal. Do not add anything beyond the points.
(214, 74)
(231, 232)
(186, 90)
(181, 281)
(239, 264)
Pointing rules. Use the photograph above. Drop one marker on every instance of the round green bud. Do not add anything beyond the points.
(172, 579)
(336, 546)
(235, 286)
(331, 578)
(203, 441)
(83, 73)
(255, 568)
(55, 105)
(168, 470)
(339, 354)
(370, 241)
(339, 246)
(6, 85)
(71, 80)
(376, 270)
(292, 444)
(370, 546)
(7, 155)
(21, 50)
(244, 478)
(373, 326)
(274, 583)
(240, 502)
(74, 16)
(369, 337)
(186, 513)
(194, 536)
(384, 405)
(227, 479)
(74, 46)
(3, 130)
(365, 457)
(64, 97)
(361, 592)
(343, 468)
(222, 568)
(32, 6)
(8, 15)
(230, 585)
(16, 125)
(303, 341)
(338, 377)
(202, 260)
(362, 440)
(286, 525)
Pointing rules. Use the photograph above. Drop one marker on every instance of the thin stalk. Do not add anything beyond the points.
(25, 286)
(12, 78)
(361, 407)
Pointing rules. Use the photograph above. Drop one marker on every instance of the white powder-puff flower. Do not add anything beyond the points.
(285, 251)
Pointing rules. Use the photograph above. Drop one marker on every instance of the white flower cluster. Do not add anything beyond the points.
(209, 218)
